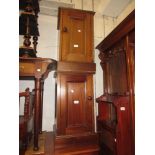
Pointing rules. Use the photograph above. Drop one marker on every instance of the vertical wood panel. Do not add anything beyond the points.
(76, 106)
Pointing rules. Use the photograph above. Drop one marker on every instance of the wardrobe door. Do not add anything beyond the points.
(75, 104)
(76, 35)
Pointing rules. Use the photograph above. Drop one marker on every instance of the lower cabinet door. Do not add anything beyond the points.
(74, 104)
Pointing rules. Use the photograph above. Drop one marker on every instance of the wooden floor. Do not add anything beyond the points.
(81, 144)
(46, 143)
(78, 150)
(49, 143)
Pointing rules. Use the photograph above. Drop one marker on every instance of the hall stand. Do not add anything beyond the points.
(116, 119)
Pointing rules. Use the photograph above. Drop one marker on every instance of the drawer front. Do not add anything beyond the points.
(26, 68)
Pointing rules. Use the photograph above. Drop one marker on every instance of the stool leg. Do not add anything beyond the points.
(41, 107)
(36, 112)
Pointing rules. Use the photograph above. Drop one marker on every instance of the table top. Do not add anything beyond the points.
(36, 67)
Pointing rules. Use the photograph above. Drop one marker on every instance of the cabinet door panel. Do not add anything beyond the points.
(76, 36)
(75, 104)
(76, 99)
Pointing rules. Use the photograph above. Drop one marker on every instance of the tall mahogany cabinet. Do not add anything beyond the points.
(75, 96)
(116, 106)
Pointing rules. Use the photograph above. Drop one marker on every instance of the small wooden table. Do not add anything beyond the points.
(36, 69)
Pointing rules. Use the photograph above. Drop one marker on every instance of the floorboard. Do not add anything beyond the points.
(49, 143)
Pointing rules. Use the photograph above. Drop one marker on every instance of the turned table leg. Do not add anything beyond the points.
(36, 112)
(41, 107)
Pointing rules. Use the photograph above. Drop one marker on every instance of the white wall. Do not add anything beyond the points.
(48, 47)
(125, 12)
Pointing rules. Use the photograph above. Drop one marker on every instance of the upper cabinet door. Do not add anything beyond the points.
(76, 35)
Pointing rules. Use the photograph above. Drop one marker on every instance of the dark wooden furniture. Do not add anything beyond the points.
(114, 125)
(26, 119)
(28, 27)
(75, 96)
(82, 144)
(75, 108)
(36, 69)
(116, 105)
(75, 72)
